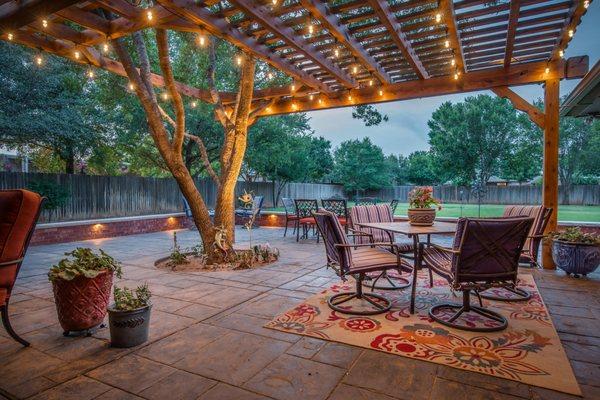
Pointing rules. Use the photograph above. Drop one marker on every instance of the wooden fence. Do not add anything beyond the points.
(93, 197)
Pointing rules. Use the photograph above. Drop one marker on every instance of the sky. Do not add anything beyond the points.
(406, 130)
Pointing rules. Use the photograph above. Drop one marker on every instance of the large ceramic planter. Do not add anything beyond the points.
(128, 328)
(575, 258)
(421, 216)
(81, 302)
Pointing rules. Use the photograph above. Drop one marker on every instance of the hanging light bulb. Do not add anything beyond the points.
(547, 70)
(311, 97)
(270, 75)
(320, 101)
(355, 69)
(447, 43)
(380, 92)
(77, 54)
(201, 40)
(561, 53)
(194, 104)
(131, 86)
(456, 76)
(294, 106)
(571, 33)
(238, 60)
(45, 23)
(453, 62)
(336, 53)
(311, 29)
(39, 60)
(438, 17)
(91, 74)
(10, 36)
(268, 109)
(274, 2)
(165, 95)
(105, 47)
(149, 15)
(293, 87)
(370, 82)
(586, 4)
(349, 97)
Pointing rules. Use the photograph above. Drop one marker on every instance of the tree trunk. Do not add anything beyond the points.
(69, 159)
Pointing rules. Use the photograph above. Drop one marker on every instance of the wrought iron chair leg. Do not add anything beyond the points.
(430, 277)
(467, 307)
(8, 327)
(380, 303)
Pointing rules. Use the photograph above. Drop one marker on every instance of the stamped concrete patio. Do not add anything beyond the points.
(207, 339)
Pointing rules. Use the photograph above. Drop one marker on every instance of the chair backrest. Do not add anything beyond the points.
(19, 212)
(289, 205)
(365, 201)
(394, 205)
(540, 215)
(332, 233)
(372, 213)
(305, 207)
(489, 249)
(337, 206)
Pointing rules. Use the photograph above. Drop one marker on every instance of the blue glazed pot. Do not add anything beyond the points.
(575, 258)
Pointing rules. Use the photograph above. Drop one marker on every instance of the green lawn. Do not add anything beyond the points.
(565, 213)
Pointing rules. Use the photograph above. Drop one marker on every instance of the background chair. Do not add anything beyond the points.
(339, 208)
(365, 201)
(356, 260)
(304, 213)
(485, 254)
(19, 212)
(290, 214)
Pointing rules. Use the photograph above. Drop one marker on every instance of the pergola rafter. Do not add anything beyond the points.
(513, 20)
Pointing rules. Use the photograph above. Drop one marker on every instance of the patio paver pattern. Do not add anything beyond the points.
(207, 339)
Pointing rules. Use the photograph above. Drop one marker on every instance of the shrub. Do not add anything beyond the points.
(128, 300)
(83, 261)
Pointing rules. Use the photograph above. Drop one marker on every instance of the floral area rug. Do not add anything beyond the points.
(528, 351)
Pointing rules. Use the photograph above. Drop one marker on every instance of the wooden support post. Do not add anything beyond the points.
(550, 174)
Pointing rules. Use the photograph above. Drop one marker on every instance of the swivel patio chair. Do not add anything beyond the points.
(356, 260)
(485, 254)
(290, 214)
(19, 212)
(529, 254)
(379, 213)
(340, 208)
(304, 213)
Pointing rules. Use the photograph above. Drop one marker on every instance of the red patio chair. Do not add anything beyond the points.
(19, 212)
(304, 214)
(339, 207)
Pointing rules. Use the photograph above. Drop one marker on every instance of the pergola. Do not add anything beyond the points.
(345, 52)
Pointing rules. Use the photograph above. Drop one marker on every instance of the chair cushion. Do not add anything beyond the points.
(439, 261)
(365, 259)
(307, 220)
(372, 213)
(342, 220)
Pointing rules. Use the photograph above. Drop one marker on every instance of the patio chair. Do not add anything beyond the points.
(290, 214)
(379, 213)
(340, 208)
(365, 201)
(304, 213)
(356, 260)
(19, 212)
(257, 203)
(485, 254)
(393, 206)
(529, 254)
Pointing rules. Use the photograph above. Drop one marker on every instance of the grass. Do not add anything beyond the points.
(565, 212)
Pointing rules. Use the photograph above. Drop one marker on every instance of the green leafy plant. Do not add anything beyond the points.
(128, 300)
(265, 253)
(177, 256)
(83, 261)
(422, 197)
(575, 235)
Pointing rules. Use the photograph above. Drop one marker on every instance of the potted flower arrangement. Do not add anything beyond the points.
(129, 316)
(421, 210)
(575, 252)
(81, 283)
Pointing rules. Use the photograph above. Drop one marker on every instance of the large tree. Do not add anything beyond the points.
(167, 123)
(360, 165)
(469, 139)
(46, 105)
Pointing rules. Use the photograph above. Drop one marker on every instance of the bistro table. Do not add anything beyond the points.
(405, 228)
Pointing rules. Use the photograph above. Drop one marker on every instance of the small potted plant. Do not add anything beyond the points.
(422, 206)
(81, 283)
(575, 252)
(129, 316)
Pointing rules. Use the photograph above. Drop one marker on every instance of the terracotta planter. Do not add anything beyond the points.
(81, 303)
(575, 258)
(421, 216)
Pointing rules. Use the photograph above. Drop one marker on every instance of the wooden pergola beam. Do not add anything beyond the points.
(332, 23)
(520, 74)
(218, 27)
(535, 114)
(262, 15)
(388, 20)
(447, 7)
(570, 25)
(513, 21)
(15, 14)
(86, 19)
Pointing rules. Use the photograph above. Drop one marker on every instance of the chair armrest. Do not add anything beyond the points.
(536, 236)
(444, 249)
(11, 262)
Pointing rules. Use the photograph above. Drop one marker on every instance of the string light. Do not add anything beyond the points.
(39, 60)
(91, 74)
(355, 69)
(447, 43)
(320, 101)
(311, 97)
(274, 2)
(370, 82)
(77, 55)
(165, 96)
(268, 109)
(294, 106)
(10, 36)
(131, 86)
(547, 70)
(270, 75)
(194, 104)
(336, 53)
(586, 4)
(349, 97)
(149, 15)
(105, 47)
(561, 53)
(456, 76)
(311, 29)
(45, 23)
(571, 33)
(201, 40)
(380, 93)
(293, 87)
(238, 60)
(453, 62)
(438, 17)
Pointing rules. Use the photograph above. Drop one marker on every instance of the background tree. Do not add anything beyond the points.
(419, 168)
(48, 107)
(360, 165)
(369, 115)
(469, 139)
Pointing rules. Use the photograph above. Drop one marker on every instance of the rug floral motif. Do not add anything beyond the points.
(528, 351)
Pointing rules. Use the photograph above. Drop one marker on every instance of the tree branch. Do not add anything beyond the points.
(205, 159)
(214, 93)
(162, 42)
(145, 71)
(259, 109)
